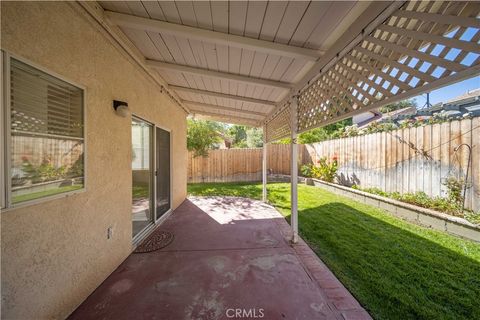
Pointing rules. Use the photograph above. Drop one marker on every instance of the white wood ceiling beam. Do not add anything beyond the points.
(223, 108)
(227, 118)
(145, 24)
(218, 74)
(222, 95)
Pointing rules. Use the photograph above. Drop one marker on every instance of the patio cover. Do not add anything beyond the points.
(416, 47)
(246, 62)
(233, 61)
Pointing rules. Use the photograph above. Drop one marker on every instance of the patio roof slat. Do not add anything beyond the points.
(391, 61)
(446, 19)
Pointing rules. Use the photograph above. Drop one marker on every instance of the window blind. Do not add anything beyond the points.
(43, 104)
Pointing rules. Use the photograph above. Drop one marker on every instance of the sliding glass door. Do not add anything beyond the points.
(142, 175)
(150, 174)
(162, 163)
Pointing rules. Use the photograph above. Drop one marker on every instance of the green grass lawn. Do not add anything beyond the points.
(140, 191)
(45, 193)
(397, 270)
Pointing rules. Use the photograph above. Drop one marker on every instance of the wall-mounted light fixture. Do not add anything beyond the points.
(121, 108)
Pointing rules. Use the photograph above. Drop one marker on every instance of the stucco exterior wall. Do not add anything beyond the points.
(54, 254)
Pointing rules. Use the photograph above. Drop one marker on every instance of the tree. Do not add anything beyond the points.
(238, 134)
(254, 137)
(398, 105)
(312, 136)
(202, 135)
(324, 133)
(327, 132)
(286, 140)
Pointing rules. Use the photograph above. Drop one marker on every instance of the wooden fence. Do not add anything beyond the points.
(229, 165)
(36, 149)
(409, 160)
(404, 160)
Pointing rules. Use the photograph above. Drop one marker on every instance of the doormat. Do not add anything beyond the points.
(157, 240)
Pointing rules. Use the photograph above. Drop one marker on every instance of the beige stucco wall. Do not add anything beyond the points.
(54, 254)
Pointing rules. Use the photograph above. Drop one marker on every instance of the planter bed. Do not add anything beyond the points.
(44, 186)
(422, 216)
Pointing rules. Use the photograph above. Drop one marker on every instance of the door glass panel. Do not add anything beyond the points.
(163, 171)
(142, 174)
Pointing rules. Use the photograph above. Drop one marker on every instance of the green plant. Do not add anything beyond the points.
(330, 131)
(76, 170)
(454, 189)
(254, 137)
(473, 217)
(326, 171)
(377, 191)
(238, 134)
(398, 105)
(438, 117)
(42, 173)
(420, 199)
(201, 136)
(306, 170)
(48, 172)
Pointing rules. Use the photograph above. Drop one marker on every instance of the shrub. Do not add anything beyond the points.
(201, 136)
(420, 199)
(326, 171)
(76, 170)
(42, 173)
(306, 170)
(454, 189)
(473, 217)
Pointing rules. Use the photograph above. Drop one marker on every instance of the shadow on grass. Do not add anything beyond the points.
(393, 272)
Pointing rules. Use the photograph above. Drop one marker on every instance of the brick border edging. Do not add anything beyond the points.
(418, 215)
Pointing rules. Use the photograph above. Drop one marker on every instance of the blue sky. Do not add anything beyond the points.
(446, 93)
(449, 92)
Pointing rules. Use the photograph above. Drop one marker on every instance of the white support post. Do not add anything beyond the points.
(294, 171)
(264, 165)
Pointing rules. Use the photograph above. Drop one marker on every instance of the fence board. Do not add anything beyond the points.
(391, 161)
(475, 179)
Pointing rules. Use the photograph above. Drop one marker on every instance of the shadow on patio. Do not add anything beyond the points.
(228, 253)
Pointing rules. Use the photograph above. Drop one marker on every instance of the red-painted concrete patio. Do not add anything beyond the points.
(227, 254)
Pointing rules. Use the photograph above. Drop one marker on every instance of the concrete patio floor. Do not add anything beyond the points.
(230, 259)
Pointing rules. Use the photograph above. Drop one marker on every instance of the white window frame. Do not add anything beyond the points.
(5, 140)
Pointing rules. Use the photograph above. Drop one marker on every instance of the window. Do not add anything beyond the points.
(44, 138)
